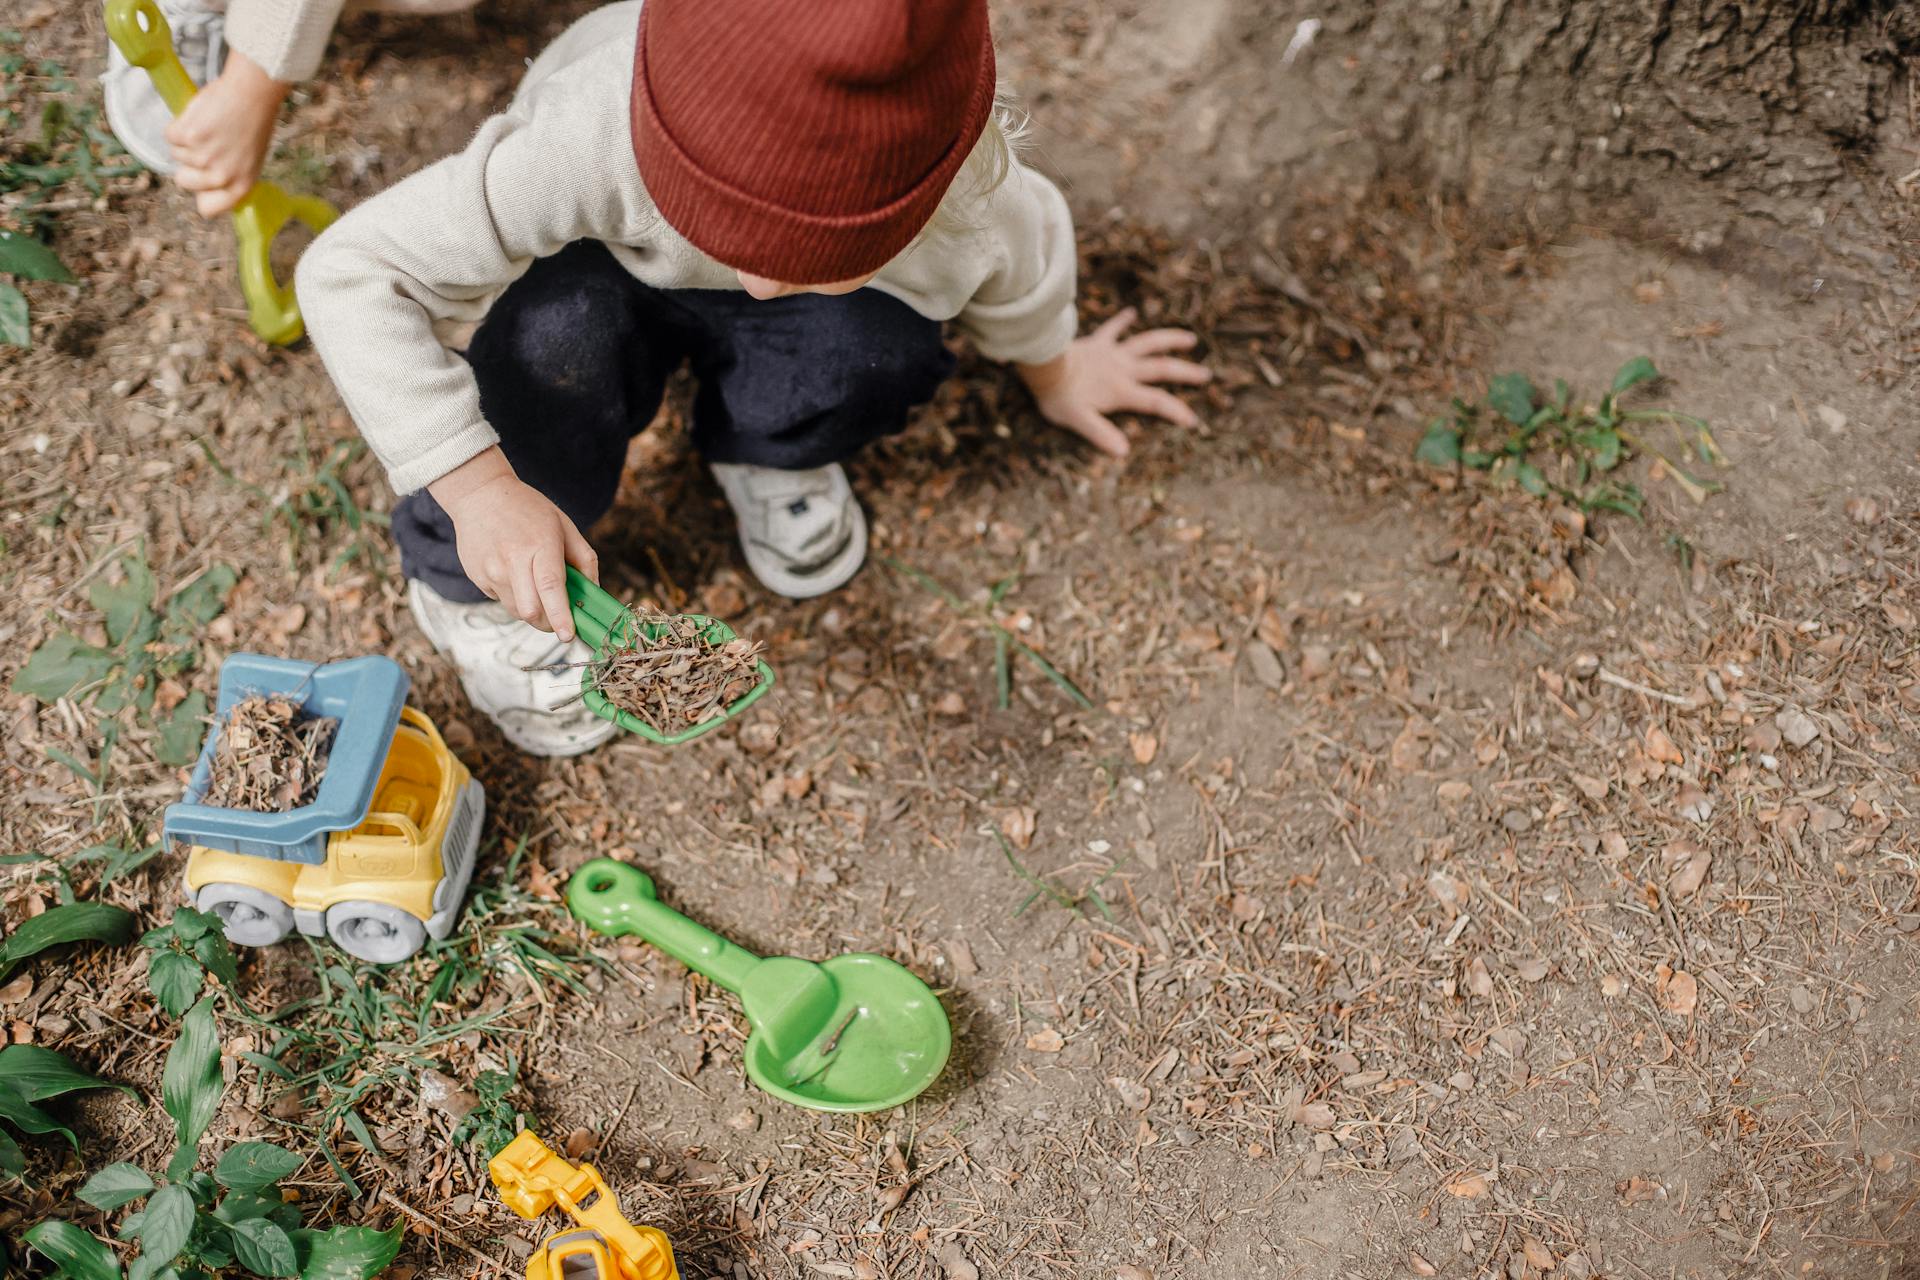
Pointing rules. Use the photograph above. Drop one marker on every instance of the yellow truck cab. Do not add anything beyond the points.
(379, 861)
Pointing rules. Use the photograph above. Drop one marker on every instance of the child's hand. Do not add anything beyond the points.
(1104, 373)
(221, 139)
(513, 542)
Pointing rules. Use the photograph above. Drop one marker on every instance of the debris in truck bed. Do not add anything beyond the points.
(270, 756)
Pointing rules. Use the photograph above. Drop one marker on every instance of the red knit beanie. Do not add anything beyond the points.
(807, 141)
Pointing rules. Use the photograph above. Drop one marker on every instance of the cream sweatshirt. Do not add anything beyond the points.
(284, 37)
(432, 253)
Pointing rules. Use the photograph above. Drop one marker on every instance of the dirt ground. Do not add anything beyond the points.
(1442, 882)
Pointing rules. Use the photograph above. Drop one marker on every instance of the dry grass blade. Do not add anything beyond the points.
(671, 675)
(270, 756)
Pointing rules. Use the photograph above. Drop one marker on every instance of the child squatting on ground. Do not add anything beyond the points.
(790, 197)
(246, 56)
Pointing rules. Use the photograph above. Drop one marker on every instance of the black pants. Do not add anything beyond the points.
(573, 360)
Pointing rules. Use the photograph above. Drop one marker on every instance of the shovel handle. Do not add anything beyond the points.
(615, 899)
(141, 32)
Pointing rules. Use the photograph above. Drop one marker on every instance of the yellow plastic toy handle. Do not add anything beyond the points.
(140, 30)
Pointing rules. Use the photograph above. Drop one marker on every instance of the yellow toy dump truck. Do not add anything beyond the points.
(531, 1179)
(381, 858)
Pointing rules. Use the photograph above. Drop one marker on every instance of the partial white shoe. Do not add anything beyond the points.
(803, 531)
(527, 680)
(135, 113)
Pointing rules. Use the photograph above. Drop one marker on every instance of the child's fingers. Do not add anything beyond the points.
(1117, 324)
(523, 597)
(1168, 369)
(1098, 430)
(550, 585)
(580, 554)
(211, 204)
(1153, 342)
(1161, 404)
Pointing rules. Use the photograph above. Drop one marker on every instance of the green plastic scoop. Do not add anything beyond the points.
(602, 622)
(140, 30)
(857, 1033)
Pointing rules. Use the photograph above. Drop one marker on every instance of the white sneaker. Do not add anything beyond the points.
(524, 678)
(803, 531)
(135, 113)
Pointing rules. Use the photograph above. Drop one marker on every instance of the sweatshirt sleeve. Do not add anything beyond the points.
(437, 247)
(285, 37)
(1024, 310)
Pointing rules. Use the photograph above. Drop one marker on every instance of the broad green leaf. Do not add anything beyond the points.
(252, 1166)
(127, 603)
(190, 1085)
(1512, 397)
(237, 1206)
(62, 665)
(189, 924)
(15, 330)
(182, 732)
(39, 1073)
(175, 980)
(168, 1224)
(1440, 447)
(116, 860)
(73, 922)
(202, 600)
(216, 953)
(1562, 394)
(12, 1162)
(29, 259)
(1531, 479)
(264, 1249)
(1634, 372)
(346, 1253)
(149, 1268)
(73, 1252)
(116, 1185)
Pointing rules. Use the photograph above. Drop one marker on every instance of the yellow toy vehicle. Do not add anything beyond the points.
(531, 1179)
(381, 858)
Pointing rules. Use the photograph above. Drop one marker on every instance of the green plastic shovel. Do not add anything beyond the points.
(857, 1033)
(141, 31)
(602, 622)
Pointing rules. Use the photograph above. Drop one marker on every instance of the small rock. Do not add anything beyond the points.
(1265, 665)
(1801, 999)
(1516, 821)
(1133, 1094)
(1832, 417)
(953, 1261)
(1128, 1271)
(1585, 666)
(1533, 970)
(1796, 726)
(745, 1120)
(1046, 1040)
(1316, 660)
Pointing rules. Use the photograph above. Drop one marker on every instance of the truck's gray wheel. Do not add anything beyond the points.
(251, 917)
(375, 931)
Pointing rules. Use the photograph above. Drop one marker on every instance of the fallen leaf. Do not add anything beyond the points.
(1590, 787)
(1863, 510)
(1635, 1190)
(1479, 981)
(1314, 1115)
(891, 1198)
(1132, 1093)
(1447, 891)
(1899, 617)
(1453, 792)
(743, 1121)
(1693, 804)
(1611, 986)
(579, 1142)
(1534, 970)
(1204, 639)
(1127, 1271)
(1468, 1187)
(1017, 825)
(1660, 747)
(951, 704)
(444, 1094)
(1539, 1257)
(1145, 747)
(1419, 1265)
(17, 990)
(1409, 750)
(953, 1261)
(1686, 882)
(1613, 844)
(1679, 993)
(1046, 1040)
